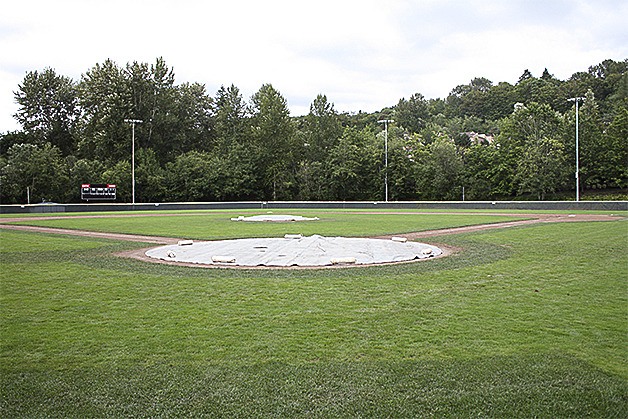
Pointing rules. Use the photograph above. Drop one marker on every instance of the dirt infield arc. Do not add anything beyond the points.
(140, 253)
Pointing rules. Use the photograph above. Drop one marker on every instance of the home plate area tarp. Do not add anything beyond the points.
(295, 250)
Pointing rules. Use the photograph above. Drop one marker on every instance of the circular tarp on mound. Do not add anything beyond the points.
(295, 250)
(274, 218)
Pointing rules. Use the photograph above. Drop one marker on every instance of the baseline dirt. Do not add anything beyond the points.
(140, 253)
(531, 219)
(84, 233)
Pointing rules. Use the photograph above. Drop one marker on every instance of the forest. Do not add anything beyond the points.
(484, 141)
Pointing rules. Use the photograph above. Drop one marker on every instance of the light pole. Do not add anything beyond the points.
(385, 122)
(577, 99)
(133, 122)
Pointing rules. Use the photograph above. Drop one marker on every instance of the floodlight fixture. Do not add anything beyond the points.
(133, 122)
(577, 99)
(385, 122)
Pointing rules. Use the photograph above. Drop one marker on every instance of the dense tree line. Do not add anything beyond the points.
(484, 141)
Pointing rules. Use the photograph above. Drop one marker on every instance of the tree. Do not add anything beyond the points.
(615, 162)
(48, 109)
(322, 129)
(188, 177)
(546, 76)
(355, 165)
(82, 171)
(8, 139)
(499, 101)
(525, 76)
(120, 175)
(577, 85)
(439, 174)
(40, 169)
(273, 134)
(403, 153)
(313, 181)
(412, 114)
(544, 91)
(319, 132)
(231, 114)
(591, 145)
(481, 171)
(619, 99)
(542, 167)
(150, 185)
(234, 175)
(606, 76)
(203, 176)
(106, 100)
(154, 101)
(256, 150)
(529, 143)
(194, 120)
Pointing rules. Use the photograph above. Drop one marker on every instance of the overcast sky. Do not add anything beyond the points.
(363, 54)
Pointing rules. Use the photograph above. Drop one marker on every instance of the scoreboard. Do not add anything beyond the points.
(98, 191)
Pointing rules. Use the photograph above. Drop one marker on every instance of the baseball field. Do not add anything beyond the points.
(526, 317)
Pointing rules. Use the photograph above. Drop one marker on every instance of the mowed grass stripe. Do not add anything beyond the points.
(547, 385)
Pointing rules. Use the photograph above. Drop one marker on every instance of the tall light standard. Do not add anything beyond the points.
(386, 122)
(133, 122)
(577, 99)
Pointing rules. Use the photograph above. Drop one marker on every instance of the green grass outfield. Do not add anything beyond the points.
(521, 322)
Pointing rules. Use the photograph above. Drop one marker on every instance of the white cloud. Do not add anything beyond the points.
(364, 55)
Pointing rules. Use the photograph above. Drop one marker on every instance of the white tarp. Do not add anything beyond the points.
(274, 218)
(295, 250)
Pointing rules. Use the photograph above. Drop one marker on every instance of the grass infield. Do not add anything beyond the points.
(218, 225)
(527, 321)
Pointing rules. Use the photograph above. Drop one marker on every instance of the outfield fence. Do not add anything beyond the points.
(272, 205)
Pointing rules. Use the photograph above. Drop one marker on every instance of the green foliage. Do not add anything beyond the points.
(105, 98)
(412, 114)
(321, 130)
(82, 171)
(352, 163)
(541, 168)
(149, 177)
(481, 172)
(615, 164)
(439, 175)
(254, 149)
(273, 142)
(190, 177)
(49, 109)
(153, 97)
(202, 176)
(120, 175)
(40, 169)
(194, 122)
(231, 118)
(403, 155)
(530, 141)
(540, 90)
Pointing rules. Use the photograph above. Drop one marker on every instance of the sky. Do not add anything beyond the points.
(364, 55)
